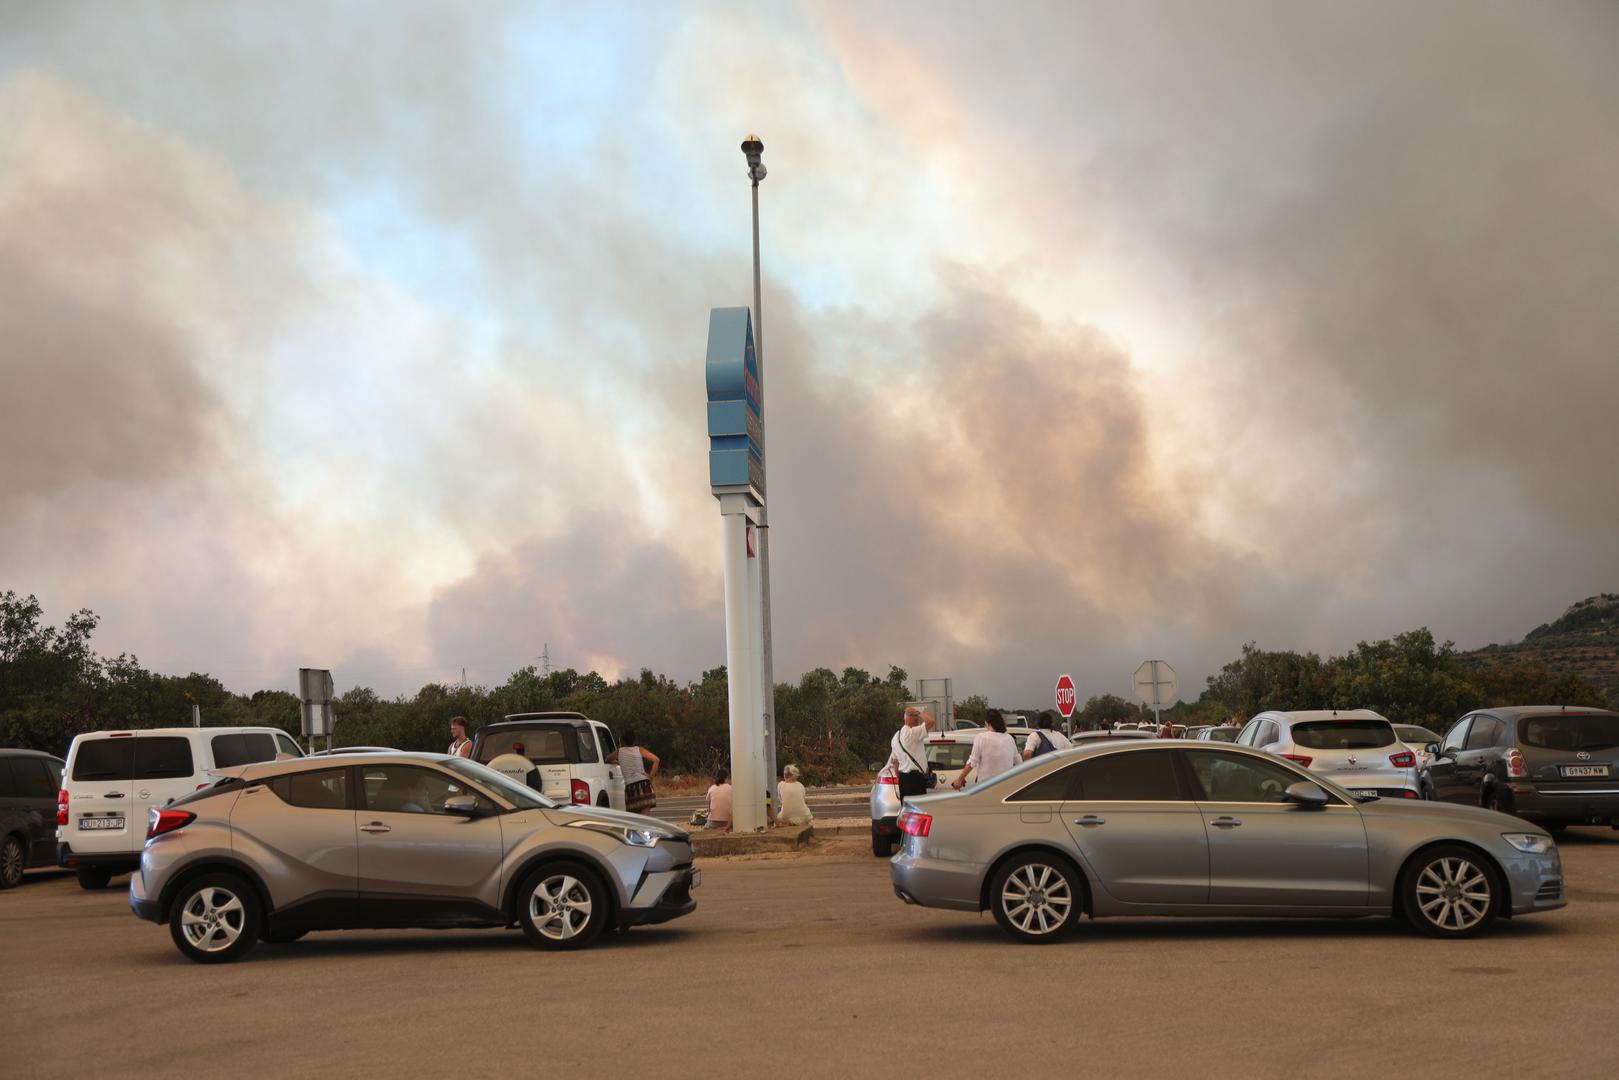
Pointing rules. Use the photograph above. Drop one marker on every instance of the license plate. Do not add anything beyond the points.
(101, 823)
(696, 878)
(1363, 791)
(1585, 770)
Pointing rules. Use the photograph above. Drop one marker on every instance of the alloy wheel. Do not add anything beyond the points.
(1454, 894)
(212, 919)
(1037, 898)
(11, 863)
(560, 907)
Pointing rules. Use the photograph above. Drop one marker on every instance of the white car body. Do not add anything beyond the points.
(1354, 748)
(1417, 738)
(567, 750)
(115, 779)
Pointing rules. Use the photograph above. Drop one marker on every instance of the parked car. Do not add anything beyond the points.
(1169, 828)
(1552, 765)
(567, 750)
(1417, 738)
(1354, 747)
(1220, 733)
(1114, 733)
(399, 840)
(29, 782)
(114, 779)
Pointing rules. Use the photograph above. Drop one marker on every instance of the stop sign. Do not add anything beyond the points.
(1065, 696)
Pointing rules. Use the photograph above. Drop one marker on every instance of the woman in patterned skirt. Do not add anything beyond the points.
(639, 767)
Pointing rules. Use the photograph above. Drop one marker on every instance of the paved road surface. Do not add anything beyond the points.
(809, 967)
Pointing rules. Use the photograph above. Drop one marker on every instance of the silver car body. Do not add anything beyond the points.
(351, 867)
(1188, 857)
(1362, 769)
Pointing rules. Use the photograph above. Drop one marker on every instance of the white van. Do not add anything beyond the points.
(563, 755)
(114, 779)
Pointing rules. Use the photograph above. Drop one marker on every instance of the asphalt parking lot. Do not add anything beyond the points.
(808, 966)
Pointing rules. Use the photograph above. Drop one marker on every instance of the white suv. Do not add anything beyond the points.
(115, 779)
(562, 755)
(1354, 748)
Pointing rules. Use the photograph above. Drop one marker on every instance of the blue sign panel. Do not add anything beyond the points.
(736, 459)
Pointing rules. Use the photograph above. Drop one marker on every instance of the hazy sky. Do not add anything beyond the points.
(370, 335)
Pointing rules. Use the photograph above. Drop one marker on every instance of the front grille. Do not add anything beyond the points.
(1550, 889)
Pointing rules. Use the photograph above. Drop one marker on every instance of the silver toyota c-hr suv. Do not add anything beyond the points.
(396, 840)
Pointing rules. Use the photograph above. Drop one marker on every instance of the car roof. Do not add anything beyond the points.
(1316, 715)
(18, 751)
(1520, 711)
(261, 769)
(234, 728)
(515, 719)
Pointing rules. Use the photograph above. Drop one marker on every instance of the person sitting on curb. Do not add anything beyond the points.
(719, 801)
(794, 807)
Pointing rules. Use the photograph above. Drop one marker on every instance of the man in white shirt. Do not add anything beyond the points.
(1053, 739)
(909, 757)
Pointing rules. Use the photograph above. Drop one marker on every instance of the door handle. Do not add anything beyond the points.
(113, 795)
(375, 827)
(1226, 822)
(1090, 819)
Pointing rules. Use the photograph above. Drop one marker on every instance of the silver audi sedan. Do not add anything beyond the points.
(1176, 828)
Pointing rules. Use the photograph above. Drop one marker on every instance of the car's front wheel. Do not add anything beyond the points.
(1036, 897)
(218, 917)
(562, 905)
(13, 860)
(1450, 892)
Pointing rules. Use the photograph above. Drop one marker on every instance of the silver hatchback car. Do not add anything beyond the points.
(396, 840)
(1176, 828)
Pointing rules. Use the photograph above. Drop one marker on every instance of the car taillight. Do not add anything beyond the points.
(1517, 767)
(166, 821)
(1299, 759)
(883, 779)
(1409, 794)
(61, 807)
(914, 823)
(1404, 760)
(580, 792)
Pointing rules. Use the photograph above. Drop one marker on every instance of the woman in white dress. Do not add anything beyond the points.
(993, 752)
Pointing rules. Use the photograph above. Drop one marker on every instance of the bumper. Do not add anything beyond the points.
(116, 861)
(935, 883)
(1594, 807)
(143, 906)
(1534, 882)
(662, 896)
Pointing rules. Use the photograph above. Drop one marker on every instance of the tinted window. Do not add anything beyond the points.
(105, 759)
(8, 780)
(33, 779)
(288, 747)
(1571, 731)
(587, 746)
(162, 757)
(553, 744)
(608, 744)
(1230, 778)
(1456, 735)
(1417, 736)
(322, 789)
(1058, 786)
(1486, 730)
(243, 748)
(404, 789)
(1133, 775)
(949, 757)
(1344, 734)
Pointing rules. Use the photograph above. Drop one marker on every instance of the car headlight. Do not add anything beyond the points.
(625, 833)
(1529, 843)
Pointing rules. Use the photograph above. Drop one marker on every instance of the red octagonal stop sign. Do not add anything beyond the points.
(1065, 696)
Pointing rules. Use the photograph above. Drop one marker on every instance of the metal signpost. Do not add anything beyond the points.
(753, 148)
(736, 476)
(1066, 697)
(315, 697)
(1156, 685)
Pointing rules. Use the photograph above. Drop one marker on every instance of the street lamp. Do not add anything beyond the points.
(753, 149)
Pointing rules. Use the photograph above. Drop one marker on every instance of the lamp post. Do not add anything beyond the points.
(753, 149)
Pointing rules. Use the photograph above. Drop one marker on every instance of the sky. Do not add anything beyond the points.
(370, 336)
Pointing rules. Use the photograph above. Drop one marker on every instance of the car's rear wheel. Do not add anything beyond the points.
(13, 860)
(1450, 891)
(1036, 897)
(217, 917)
(92, 878)
(882, 844)
(562, 905)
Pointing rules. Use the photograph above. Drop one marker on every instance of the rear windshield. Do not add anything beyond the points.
(543, 744)
(1412, 734)
(949, 756)
(1571, 731)
(105, 759)
(243, 748)
(1344, 734)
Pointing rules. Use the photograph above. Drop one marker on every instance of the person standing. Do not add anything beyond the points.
(639, 767)
(460, 745)
(1044, 740)
(993, 752)
(910, 753)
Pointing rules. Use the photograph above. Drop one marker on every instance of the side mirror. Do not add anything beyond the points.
(1431, 748)
(462, 805)
(1305, 794)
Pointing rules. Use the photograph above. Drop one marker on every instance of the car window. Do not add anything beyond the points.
(1129, 776)
(319, 789)
(1456, 737)
(162, 757)
(549, 744)
(1417, 736)
(1249, 730)
(1235, 778)
(608, 743)
(242, 748)
(587, 746)
(407, 789)
(950, 756)
(1344, 734)
(288, 747)
(105, 759)
(519, 795)
(1484, 733)
(8, 779)
(33, 778)
(1059, 786)
(1572, 731)
(1270, 732)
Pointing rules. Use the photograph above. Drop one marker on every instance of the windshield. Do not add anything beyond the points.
(519, 795)
(1344, 734)
(1411, 733)
(948, 757)
(1571, 731)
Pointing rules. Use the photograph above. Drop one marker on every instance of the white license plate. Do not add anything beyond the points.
(101, 823)
(1585, 770)
(1363, 791)
(696, 878)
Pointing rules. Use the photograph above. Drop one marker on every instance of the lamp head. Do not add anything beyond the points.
(754, 148)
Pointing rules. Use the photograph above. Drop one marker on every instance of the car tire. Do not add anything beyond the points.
(216, 918)
(1036, 897)
(1500, 802)
(1450, 891)
(882, 844)
(92, 878)
(281, 937)
(601, 800)
(13, 861)
(562, 905)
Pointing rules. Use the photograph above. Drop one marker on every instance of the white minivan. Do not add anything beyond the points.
(115, 779)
